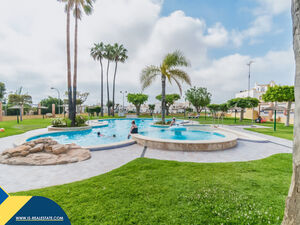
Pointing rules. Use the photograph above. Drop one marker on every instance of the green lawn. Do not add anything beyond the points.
(148, 191)
(281, 130)
(13, 128)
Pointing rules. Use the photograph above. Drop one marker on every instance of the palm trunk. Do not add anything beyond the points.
(107, 87)
(101, 88)
(114, 86)
(70, 102)
(292, 210)
(75, 67)
(163, 98)
(288, 112)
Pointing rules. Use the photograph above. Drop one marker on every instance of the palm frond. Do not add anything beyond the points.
(180, 75)
(174, 59)
(178, 84)
(148, 76)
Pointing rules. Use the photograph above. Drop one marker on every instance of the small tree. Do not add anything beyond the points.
(137, 100)
(151, 108)
(2, 90)
(223, 108)
(281, 94)
(214, 109)
(20, 99)
(198, 97)
(243, 103)
(170, 100)
(47, 102)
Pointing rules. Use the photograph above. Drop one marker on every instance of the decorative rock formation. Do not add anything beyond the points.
(44, 151)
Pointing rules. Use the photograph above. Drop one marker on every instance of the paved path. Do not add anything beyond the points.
(19, 178)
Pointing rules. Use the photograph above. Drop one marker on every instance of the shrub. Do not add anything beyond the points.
(80, 120)
(161, 123)
(58, 122)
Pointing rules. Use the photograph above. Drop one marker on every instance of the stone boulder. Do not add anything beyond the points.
(44, 151)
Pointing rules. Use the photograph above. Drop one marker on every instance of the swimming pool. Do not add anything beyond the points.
(120, 129)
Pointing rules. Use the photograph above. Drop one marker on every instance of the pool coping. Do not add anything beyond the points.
(229, 141)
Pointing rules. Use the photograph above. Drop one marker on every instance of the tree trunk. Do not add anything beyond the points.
(114, 86)
(163, 98)
(70, 101)
(101, 66)
(21, 112)
(292, 210)
(75, 67)
(167, 110)
(107, 86)
(288, 112)
(242, 115)
(138, 108)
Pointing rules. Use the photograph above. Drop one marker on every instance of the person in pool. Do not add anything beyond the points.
(133, 129)
(99, 134)
(173, 121)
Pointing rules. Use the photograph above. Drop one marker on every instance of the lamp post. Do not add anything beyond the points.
(249, 65)
(58, 93)
(123, 92)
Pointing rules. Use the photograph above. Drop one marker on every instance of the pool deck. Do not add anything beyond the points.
(20, 178)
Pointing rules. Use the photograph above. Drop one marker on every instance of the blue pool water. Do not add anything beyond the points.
(120, 128)
(191, 135)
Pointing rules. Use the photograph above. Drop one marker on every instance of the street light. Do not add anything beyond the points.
(123, 92)
(52, 88)
(249, 65)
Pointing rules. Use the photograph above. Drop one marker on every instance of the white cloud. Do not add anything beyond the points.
(274, 6)
(264, 14)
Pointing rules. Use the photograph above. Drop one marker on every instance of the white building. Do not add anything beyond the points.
(256, 92)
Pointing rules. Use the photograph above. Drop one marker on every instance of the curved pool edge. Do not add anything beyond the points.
(229, 141)
(120, 144)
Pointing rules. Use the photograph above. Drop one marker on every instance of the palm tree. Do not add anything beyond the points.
(108, 54)
(68, 7)
(97, 53)
(77, 6)
(167, 70)
(87, 7)
(119, 55)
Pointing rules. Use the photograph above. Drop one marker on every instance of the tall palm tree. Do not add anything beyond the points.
(97, 53)
(69, 4)
(80, 6)
(108, 54)
(119, 55)
(167, 70)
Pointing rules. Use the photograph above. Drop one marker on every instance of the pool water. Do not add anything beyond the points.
(120, 128)
(191, 135)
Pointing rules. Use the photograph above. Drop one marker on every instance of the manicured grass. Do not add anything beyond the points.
(226, 121)
(148, 191)
(13, 128)
(281, 131)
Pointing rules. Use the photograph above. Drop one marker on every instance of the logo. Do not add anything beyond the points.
(19, 210)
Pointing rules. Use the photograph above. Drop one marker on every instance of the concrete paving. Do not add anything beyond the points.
(19, 178)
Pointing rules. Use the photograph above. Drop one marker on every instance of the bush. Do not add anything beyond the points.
(161, 123)
(80, 120)
(59, 122)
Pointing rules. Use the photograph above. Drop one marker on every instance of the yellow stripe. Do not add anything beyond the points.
(4, 190)
(11, 206)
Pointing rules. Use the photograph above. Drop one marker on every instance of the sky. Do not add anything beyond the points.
(218, 38)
